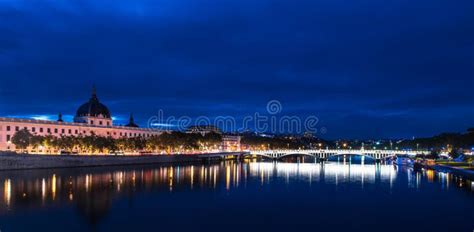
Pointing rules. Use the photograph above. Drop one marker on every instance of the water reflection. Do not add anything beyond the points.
(332, 173)
(92, 191)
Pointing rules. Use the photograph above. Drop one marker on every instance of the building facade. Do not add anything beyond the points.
(92, 118)
(203, 129)
(231, 143)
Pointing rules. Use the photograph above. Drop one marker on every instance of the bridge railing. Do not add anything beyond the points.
(341, 151)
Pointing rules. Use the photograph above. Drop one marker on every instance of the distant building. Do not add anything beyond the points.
(308, 135)
(91, 118)
(203, 129)
(231, 143)
(264, 135)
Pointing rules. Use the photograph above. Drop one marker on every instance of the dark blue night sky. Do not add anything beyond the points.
(366, 68)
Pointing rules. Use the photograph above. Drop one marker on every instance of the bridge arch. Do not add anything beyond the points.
(327, 153)
(364, 156)
(264, 155)
(296, 154)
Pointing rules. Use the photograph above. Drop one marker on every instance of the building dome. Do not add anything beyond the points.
(93, 108)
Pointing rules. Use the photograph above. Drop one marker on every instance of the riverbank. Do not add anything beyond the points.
(13, 161)
(455, 170)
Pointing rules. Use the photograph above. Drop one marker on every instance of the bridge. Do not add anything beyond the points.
(326, 153)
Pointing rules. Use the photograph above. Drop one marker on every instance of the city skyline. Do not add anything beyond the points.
(269, 122)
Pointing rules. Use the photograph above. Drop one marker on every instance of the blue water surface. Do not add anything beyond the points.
(236, 196)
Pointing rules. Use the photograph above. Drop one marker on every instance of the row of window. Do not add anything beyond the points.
(100, 123)
(48, 130)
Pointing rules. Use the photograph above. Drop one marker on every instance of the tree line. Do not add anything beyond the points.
(167, 142)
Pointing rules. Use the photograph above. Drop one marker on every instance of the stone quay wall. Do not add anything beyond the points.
(13, 161)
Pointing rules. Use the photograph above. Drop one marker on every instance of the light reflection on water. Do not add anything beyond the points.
(92, 191)
(332, 173)
(49, 186)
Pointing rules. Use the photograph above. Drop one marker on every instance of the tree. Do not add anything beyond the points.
(122, 144)
(111, 144)
(139, 143)
(66, 143)
(153, 143)
(36, 141)
(88, 143)
(212, 139)
(49, 142)
(22, 139)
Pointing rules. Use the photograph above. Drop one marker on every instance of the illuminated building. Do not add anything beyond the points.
(92, 118)
(231, 143)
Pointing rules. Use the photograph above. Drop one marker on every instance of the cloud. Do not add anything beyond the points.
(336, 58)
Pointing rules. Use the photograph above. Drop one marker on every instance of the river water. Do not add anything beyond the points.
(236, 196)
